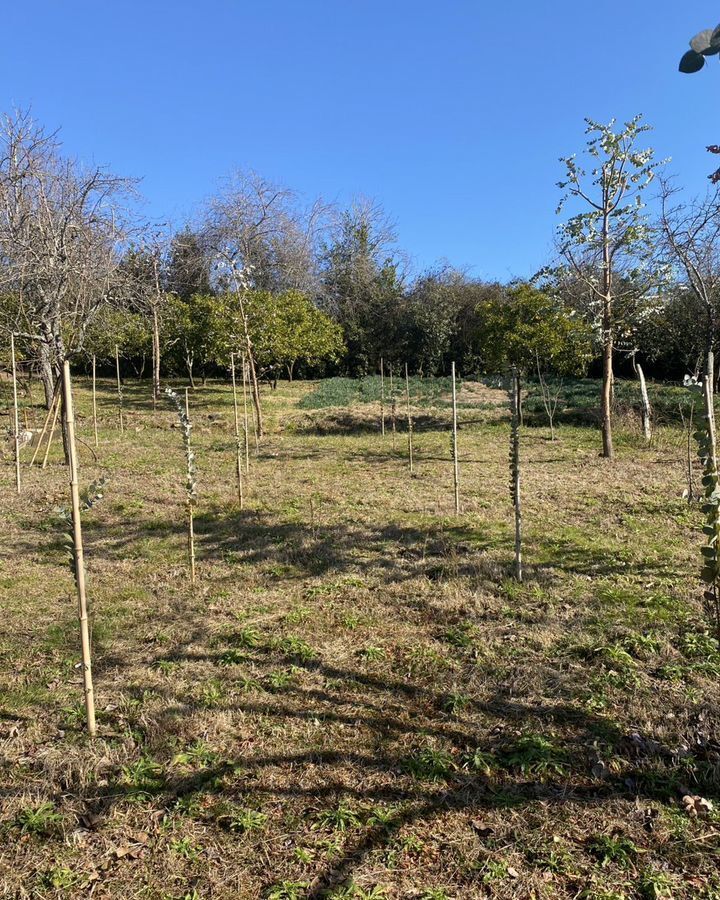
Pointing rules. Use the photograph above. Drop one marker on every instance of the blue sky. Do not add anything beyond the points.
(452, 115)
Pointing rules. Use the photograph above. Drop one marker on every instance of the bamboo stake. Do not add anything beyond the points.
(393, 408)
(30, 397)
(245, 417)
(94, 401)
(191, 524)
(119, 390)
(52, 433)
(238, 451)
(16, 432)
(382, 397)
(515, 470)
(45, 425)
(152, 379)
(78, 553)
(456, 464)
(409, 420)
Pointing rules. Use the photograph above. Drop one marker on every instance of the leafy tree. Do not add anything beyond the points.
(363, 285)
(439, 321)
(127, 329)
(203, 330)
(525, 325)
(607, 244)
(288, 328)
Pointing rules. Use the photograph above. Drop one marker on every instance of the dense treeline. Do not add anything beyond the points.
(311, 290)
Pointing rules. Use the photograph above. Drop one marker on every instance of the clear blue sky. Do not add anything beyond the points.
(452, 114)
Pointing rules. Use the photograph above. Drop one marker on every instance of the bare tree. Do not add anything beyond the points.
(691, 238)
(259, 236)
(142, 289)
(61, 227)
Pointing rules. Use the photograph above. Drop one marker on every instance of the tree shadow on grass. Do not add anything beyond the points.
(403, 750)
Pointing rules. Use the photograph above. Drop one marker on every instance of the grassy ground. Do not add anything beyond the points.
(357, 700)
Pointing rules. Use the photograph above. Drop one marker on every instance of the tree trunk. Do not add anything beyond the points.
(52, 357)
(606, 406)
(607, 330)
(47, 376)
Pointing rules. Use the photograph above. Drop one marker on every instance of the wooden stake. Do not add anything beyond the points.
(382, 397)
(238, 451)
(456, 465)
(245, 417)
(52, 433)
(94, 401)
(191, 525)
(78, 552)
(16, 426)
(30, 398)
(409, 420)
(393, 408)
(119, 390)
(515, 469)
(43, 431)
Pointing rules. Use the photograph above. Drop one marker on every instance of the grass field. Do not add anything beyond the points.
(357, 700)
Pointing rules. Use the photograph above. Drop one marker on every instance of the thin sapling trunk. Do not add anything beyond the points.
(190, 472)
(515, 469)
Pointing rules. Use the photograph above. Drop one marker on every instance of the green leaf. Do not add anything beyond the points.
(691, 62)
(709, 552)
(709, 574)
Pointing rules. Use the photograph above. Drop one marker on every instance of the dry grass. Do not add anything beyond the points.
(357, 700)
